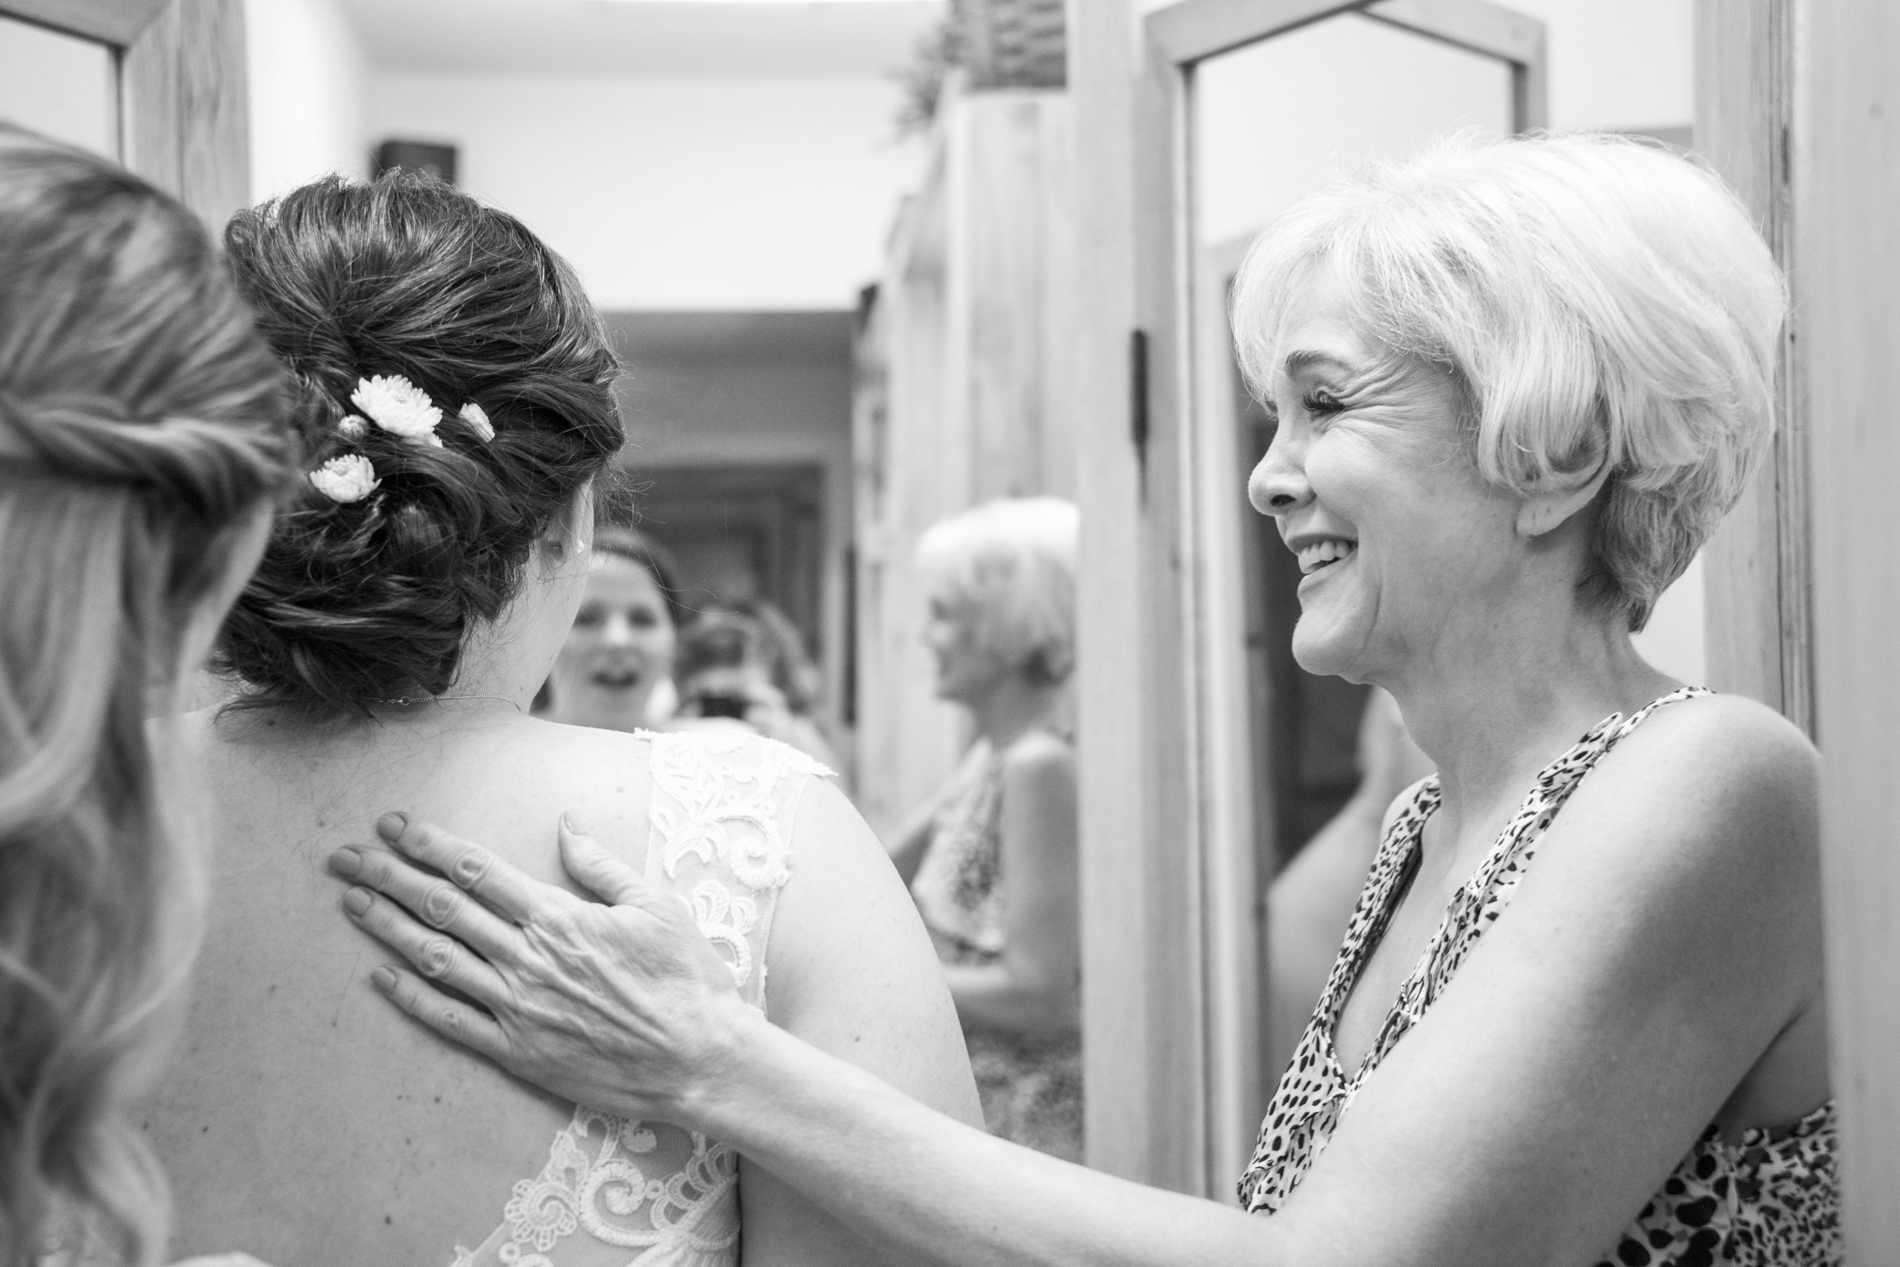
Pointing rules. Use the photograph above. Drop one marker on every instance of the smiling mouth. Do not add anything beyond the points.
(1321, 555)
(616, 679)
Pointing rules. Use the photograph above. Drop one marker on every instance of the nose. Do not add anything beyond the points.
(618, 632)
(1278, 484)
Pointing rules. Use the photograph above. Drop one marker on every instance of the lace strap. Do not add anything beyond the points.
(722, 810)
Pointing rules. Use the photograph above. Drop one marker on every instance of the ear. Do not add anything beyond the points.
(571, 532)
(1544, 512)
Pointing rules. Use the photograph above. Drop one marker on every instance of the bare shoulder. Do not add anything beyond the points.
(1700, 828)
(1038, 758)
(1733, 766)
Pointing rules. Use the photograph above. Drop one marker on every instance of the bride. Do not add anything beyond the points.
(455, 402)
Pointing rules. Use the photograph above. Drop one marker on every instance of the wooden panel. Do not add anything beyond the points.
(1190, 30)
(1756, 588)
(912, 472)
(1231, 764)
(1006, 273)
(1847, 244)
(1173, 825)
(1111, 714)
(116, 22)
(186, 109)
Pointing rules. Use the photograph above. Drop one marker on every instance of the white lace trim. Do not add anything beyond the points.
(721, 807)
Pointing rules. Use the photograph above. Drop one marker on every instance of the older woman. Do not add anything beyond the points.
(1578, 1014)
(991, 857)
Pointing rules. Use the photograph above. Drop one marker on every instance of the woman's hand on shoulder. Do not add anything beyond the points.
(624, 1007)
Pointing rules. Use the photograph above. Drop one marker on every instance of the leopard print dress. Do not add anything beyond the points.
(1770, 1200)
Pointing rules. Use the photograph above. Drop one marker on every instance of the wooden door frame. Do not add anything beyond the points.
(1170, 933)
(1794, 106)
(183, 116)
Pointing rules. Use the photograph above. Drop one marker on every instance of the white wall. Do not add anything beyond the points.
(677, 194)
(1272, 120)
(309, 92)
(1618, 63)
(57, 85)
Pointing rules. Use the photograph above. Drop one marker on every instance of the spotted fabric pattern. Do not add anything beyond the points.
(1770, 1200)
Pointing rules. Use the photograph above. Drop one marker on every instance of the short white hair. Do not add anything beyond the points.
(1598, 298)
(1012, 563)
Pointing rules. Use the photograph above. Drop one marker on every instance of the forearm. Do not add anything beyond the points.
(930, 1190)
(993, 996)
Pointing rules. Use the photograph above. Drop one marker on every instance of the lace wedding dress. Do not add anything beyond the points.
(621, 1193)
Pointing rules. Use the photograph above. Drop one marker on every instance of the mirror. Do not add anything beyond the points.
(60, 85)
(1271, 121)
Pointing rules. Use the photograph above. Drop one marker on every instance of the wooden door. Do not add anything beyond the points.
(1170, 912)
(178, 66)
(1798, 106)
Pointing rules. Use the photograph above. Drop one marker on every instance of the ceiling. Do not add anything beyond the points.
(749, 38)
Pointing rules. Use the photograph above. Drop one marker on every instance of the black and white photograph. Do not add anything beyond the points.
(949, 633)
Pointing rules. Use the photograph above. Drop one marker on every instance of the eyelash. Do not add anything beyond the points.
(1320, 402)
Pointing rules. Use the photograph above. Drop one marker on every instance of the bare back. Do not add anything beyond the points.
(308, 1123)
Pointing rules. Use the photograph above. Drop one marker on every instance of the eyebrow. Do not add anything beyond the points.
(1309, 359)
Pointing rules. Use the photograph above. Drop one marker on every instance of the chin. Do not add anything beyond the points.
(1327, 652)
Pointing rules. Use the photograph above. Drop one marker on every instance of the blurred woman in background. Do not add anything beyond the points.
(615, 671)
(142, 443)
(991, 857)
(744, 666)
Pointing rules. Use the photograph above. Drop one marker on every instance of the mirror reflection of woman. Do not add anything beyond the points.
(1580, 1012)
(991, 857)
(615, 671)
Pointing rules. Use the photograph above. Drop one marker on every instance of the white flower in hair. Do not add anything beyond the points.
(352, 428)
(399, 407)
(349, 478)
(477, 417)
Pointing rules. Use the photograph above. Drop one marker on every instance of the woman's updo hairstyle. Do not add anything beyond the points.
(372, 599)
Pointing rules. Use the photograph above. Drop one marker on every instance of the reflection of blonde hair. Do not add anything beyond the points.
(138, 434)
(1013, 562)
(1598, 299)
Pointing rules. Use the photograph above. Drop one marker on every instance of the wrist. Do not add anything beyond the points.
(724, 1069)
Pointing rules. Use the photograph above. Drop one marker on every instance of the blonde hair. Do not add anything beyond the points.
(139, 429)
(1013, 562)
(1599, 300)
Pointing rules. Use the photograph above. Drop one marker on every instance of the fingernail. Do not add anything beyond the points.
(390, 826)
(573, 828)
(356, 901)
(384, 979)
(346, 861)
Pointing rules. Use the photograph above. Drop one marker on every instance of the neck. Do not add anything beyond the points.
(503, 665)
(1492, 705)
(1012, 707)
